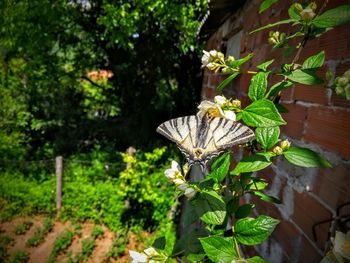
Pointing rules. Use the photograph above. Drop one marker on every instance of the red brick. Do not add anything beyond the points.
(245, 82)
(289, 237)
(339, 101)
(332, 185)
(295, 119)
(336, 42)
(208, 92)
(287, 94)
(308, 253)
(315, 94)
(308, 212)
(330, 129)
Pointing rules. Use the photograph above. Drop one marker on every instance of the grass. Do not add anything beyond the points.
(119, 245)
(97, 232)
(5, 241)
(62, 242)
(40, 233)
(19, 257)
(23, 227)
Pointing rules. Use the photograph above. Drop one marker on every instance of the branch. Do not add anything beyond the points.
(91, 82)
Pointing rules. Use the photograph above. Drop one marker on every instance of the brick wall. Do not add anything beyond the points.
(317, 119)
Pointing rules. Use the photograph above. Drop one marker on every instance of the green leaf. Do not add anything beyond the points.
(281, 108)
(220, 167)
(256, 259)
(232, 204)
(219, 249)
(264, 65)
(303, 76)
(293, 13)
(159, 243)
(305, 157)
(250, 231)
(244, 210)
(333, 17)
(189, 243)
(287, 21)
(258, 85)
(276, 88)
(262, 113)
(251, 164)
(315, 61)
(266, 4)
(223, 84)
(241, 61)
(210, 207)
(267, 136)
(257, 184)
(267, 198)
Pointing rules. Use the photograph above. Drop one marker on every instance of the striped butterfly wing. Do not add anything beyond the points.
(227, 133)
(200, 139)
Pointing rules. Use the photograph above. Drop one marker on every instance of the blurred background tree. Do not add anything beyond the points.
(79, 73)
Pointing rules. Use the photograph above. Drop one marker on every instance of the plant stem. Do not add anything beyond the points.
(236, 243)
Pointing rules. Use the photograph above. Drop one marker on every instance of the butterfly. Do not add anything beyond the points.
(202, 138)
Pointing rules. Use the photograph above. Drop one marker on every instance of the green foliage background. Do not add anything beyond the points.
(49, 106)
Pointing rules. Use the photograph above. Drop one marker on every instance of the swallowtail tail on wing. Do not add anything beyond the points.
(202, 138)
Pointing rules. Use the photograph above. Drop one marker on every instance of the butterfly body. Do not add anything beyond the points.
(202, 138)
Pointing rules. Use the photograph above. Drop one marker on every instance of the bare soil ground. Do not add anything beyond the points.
(42, 252)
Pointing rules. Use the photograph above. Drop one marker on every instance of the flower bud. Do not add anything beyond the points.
(150, 252)
(339, 90)
(343, 81)
(312, 5)
(285, 145)
(347, 74)
(213, 53)
(230, 59)
(298, 7)
(178, 181)
(236, 103)
(220, 100)
(277, 150)
(347, 91)
(221, 56)
(307, 14)
(329, 75)
(182, 187)
(226, 70)
(190, 192)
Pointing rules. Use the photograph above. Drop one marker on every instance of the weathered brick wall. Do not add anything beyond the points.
(317, 118)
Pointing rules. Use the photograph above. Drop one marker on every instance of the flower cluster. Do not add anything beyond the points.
(221, 107)
(307, 13)
(276, 38)
(213, 60)
(175, 175)
(342, 85)
(148, 255)
(284, 146)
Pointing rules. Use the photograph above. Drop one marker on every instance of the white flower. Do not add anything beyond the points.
(150, 252)
(220, 100)
(341, 247)
(173, 171)
(183, 187)
(190, 192)
(178, 181)
(307, 14)
(137, 257)
(212, 108)
(205, 58)
(213, 53)
(230, 115)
